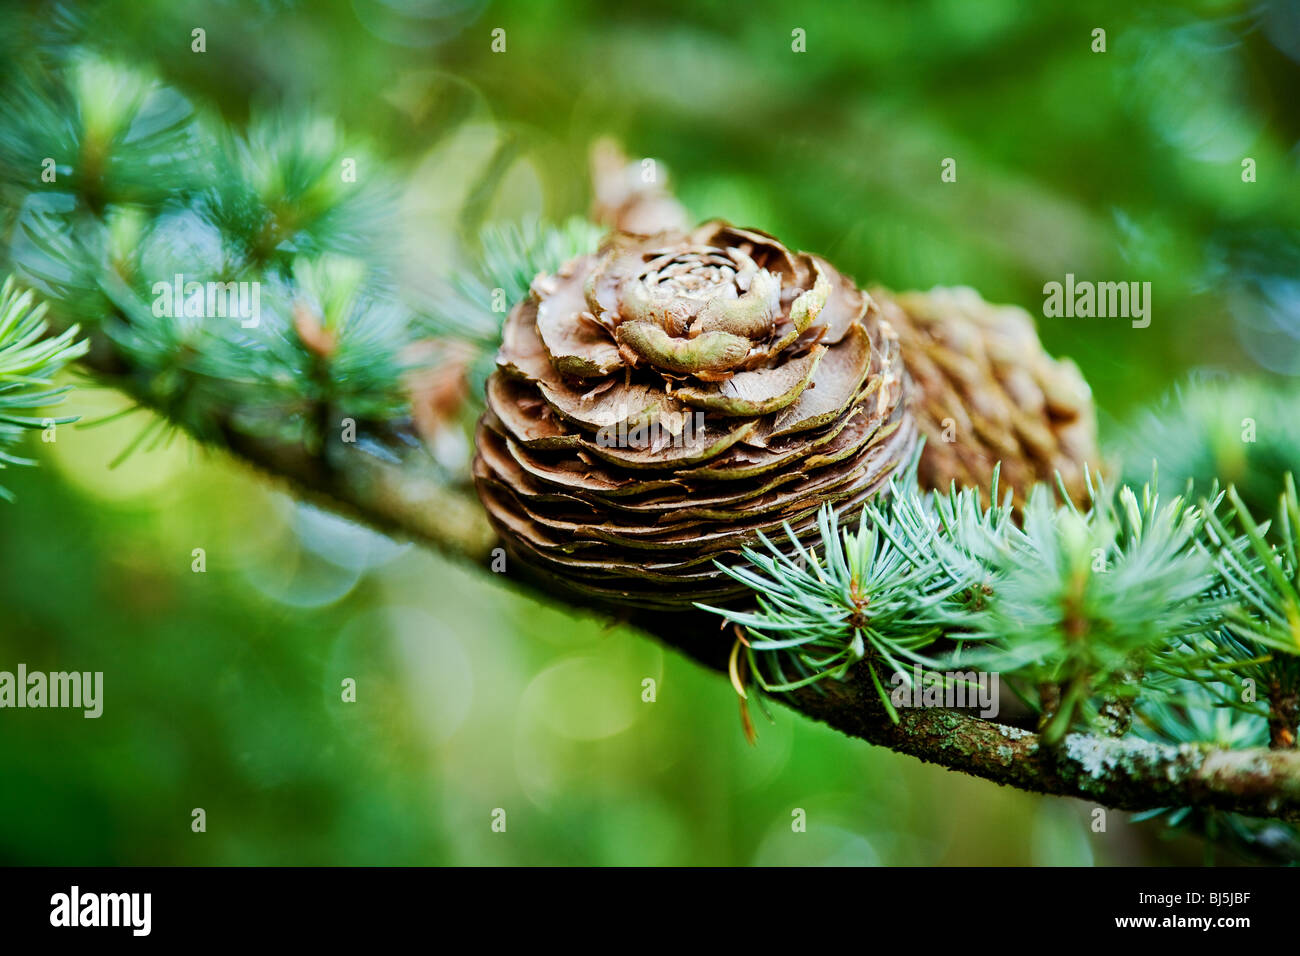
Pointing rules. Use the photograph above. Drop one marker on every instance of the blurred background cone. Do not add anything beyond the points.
(985, 391)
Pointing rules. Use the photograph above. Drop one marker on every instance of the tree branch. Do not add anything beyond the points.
(1122, 773)
(404, 496)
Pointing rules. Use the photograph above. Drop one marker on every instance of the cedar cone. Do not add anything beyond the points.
(660, 403)
(624, 201)
(984, 391)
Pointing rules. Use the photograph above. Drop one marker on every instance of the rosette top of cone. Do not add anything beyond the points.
(662, 401)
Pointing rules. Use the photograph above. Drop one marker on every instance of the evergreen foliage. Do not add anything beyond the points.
(1138, 608)
(29, 360)
(1166, 609)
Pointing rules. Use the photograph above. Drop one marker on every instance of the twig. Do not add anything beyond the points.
(408, 500)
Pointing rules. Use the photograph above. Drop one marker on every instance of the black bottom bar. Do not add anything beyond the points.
(332, 905)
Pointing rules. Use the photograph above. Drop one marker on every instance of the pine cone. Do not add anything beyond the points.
(984, 391)
(624, 201)
(658, 404)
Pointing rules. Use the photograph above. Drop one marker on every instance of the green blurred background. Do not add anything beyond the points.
(222, 688)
